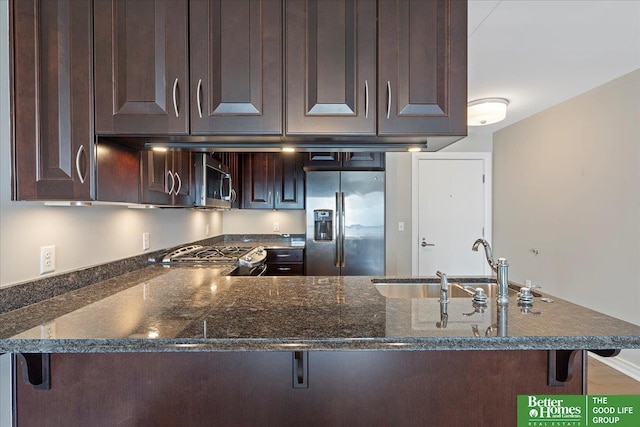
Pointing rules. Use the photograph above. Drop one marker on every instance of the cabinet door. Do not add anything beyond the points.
(157, 183)
(331, 67)
(182, 169)
(236, 67)
(257, 189)
(323, 160)
(289, 181)
(369, 160)
(52, 99)
(141, 79)
(422, 59)
(366, 160)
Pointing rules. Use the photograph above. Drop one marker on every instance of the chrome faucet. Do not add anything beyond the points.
(487, 252)
(444, 290)
(501, 268)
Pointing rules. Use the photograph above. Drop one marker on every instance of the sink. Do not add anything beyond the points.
(416, 289)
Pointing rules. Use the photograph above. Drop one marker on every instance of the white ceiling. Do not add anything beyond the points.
(538, 53)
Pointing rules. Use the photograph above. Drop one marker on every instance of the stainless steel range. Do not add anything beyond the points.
(239, 260)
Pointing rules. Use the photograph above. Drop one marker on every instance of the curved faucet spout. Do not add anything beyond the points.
(487, 253)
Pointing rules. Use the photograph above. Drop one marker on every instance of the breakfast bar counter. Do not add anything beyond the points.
(197, 309)
(191, 346)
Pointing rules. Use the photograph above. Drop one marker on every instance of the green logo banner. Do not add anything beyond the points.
(578, 410)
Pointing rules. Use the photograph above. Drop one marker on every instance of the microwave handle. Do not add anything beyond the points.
(222, 181)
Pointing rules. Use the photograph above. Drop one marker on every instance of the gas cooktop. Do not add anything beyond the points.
(248, 256)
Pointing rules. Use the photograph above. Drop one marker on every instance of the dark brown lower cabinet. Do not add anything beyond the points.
(343, 388)
(285, 262)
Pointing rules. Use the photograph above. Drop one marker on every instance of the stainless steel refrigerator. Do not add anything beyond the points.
(345, 223)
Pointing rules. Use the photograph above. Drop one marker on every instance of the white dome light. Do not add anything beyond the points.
(486, 111)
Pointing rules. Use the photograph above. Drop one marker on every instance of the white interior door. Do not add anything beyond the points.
(452, 212)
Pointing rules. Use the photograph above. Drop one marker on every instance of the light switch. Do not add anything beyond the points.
(401, 226)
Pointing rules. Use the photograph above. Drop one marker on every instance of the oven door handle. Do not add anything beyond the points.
(261, 269)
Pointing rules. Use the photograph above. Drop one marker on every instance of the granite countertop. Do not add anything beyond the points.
(158, 309)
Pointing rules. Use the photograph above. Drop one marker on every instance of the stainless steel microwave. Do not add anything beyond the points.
(213, 185)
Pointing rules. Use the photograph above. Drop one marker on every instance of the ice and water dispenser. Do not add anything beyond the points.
(323, 225)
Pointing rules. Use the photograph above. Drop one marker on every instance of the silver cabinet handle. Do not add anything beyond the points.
(177, 175)
(284, 268)
(336, 254)
(283, 255)
(175, 99)
(173, 182)
(388, 98)
(198, 98)
(342, 231)
(269, 198)
(233, 195)
(366, 99)
(79, 154)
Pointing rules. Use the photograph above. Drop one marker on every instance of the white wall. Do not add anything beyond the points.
(477, 141)
(567, 182)
(257, 221)
(83, 236)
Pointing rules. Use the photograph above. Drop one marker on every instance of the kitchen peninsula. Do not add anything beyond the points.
(188, 345)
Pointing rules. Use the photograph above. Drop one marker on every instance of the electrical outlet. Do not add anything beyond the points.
(276, 226)
(47, 259)
(206, 229)
(48, 330)
(145, 241)
(401, 226)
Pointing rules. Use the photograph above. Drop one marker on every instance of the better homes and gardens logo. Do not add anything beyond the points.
(578, 410)
(554, 410)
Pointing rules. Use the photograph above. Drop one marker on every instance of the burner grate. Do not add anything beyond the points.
(208, 254)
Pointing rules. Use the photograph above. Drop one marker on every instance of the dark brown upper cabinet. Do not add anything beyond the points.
(330, 67)
(167, 178)
(365, 160)
(141, 67)
(174, 67)
(273, 181)
(52, 99)
(236, 67)
(417, 87)
(422, 67)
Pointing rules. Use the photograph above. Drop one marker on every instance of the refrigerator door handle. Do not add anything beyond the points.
(342, 231)
(336, 255)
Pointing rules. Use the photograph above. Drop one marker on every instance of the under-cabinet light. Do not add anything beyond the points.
(142, 206)
(288, 150)
(66, 203)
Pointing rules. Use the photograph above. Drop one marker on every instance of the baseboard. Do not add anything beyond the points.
(627, 368)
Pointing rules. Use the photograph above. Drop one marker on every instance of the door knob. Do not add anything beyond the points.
(424, 243)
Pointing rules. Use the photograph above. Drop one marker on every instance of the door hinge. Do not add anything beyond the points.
(483, 178)
(483, 232)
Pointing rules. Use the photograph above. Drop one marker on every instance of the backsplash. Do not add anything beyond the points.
(17, 296)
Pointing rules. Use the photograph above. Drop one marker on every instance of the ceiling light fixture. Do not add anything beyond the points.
(486, 111)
